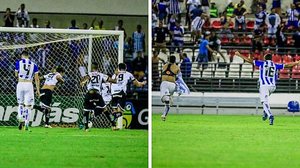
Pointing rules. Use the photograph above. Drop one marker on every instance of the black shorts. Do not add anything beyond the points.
(46, 97)
(92, 100)
(118, 100)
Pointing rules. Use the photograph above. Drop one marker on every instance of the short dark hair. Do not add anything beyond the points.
(122, 66)
(268, 57)
(172, 59)
(25, 52)
(60, 69)
(94, 65)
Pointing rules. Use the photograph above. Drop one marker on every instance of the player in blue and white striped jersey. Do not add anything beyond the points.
(26, 71)
(268, 75)
(260, 17)
(292, 15)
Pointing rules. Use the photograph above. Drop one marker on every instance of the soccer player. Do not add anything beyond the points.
(168, 86)
(26, 71)
(119, 90)
(93, 101)
(268, 75)
(51, 80)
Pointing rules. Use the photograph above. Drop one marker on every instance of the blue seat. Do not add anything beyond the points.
(293, 106)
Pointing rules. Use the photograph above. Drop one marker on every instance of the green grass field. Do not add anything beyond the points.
(73, 148)
(211, 141)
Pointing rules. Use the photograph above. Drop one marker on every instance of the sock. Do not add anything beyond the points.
(38, 107)
(86, 117)
(107, 114)
(267, 109)
(47, 115)
(20, 112)
(27, 115)
(167, 108)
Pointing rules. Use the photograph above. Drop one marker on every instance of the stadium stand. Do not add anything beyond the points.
(236, 75)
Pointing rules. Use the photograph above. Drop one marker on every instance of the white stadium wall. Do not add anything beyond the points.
(109, 7)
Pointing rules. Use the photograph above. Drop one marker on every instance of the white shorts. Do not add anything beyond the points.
(25, 93)
(167, 89)
(265, 92)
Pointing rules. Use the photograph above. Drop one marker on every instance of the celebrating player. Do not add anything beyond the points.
(267, 80)
(25, 71)
(93, 101)
(119, 89)
(51, 80)
(168, 86)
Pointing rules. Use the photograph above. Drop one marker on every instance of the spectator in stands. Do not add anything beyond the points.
(73, 24)
(160, 41)
(172, 25)
(196, 27)
(154, 22)
(205, 7)
(85, 26)
(177, 40)
(8, 18)
(272, 21)
(174, 9)
(155, 68)
(42, 53)
(22, 17)
(120, 27)
(260, 17)
(162, 10)
(34, 23)
(195, 12)
(214, 12)
(185, 66)
(239, 15)
(263, 4)
(280, 39)
(203, 51)
(257, 40)
(296, 40)
(229, 9)
(139, 65)
(48, 24)
(292, 16)
(138, 41)
(276, 5)
(225, 21)
(128, 49)
(215, 44)
(99, 25)
(190, 6)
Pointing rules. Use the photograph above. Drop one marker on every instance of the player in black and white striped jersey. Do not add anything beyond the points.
(119, 90)
(93, 101)
(50, 83)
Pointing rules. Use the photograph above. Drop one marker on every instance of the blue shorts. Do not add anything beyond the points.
(292, 23)
(276, 4)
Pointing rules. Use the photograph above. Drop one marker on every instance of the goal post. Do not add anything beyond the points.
(73, 49)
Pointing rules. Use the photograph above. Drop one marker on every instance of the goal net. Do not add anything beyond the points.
(48, 48)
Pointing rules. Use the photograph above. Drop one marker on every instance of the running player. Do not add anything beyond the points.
(93, 101)
(119, 90)
(268, 71)
(25, 71)
(168, 86)
(51, 80)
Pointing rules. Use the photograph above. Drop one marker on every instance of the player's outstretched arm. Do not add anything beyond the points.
(37, 83)
(292, 64)
(139, 84)
(249, 60)
(60, 79)
(84, 80)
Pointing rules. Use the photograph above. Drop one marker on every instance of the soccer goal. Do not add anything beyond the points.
(74, 50)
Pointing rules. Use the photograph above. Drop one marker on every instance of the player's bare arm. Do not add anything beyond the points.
(84, 80)
(60, 79)
(37, 83)
(139, 84)
(249, 60)
(111, 80)
(292, 64)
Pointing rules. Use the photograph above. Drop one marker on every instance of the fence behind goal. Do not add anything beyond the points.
(48, 48)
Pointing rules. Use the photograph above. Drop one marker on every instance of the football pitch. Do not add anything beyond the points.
(73, 148)
(222, 141)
